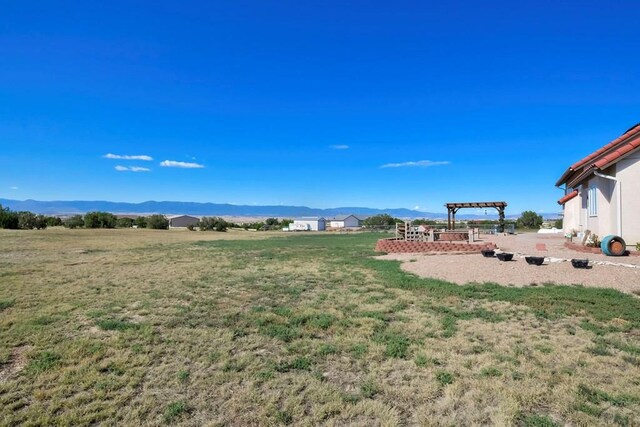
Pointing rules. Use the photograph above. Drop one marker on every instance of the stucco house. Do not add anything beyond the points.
(601, 190)
(345, 221)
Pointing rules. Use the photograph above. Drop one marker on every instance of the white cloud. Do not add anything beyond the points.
(131, 169)
(416, 208)
(419, 164)
(124, 157)
(184, 165)
(14, 188)
(339, 147)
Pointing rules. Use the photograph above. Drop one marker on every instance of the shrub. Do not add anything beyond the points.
(74, 221)
(124, 222)
(529, 219)
(41, 222)
(26, 220)
(141, 222)
(8, 218)
(377, 221)
(213, 223)
(100, 220)
(157, 222)
(558, 224)
(53, 221)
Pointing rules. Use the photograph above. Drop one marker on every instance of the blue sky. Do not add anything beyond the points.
(323, 104)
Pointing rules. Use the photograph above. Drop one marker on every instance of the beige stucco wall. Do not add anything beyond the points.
(571, 218)
(605, 222)
(628, 173)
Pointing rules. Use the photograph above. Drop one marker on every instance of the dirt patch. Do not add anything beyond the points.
(621, 273)
(17, 362)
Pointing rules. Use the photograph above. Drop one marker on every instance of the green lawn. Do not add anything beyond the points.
(137, 327)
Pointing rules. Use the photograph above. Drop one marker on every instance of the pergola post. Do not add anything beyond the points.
(501, 218)
(453, 227)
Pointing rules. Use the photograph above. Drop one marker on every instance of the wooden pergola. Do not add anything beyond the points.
(452, 208)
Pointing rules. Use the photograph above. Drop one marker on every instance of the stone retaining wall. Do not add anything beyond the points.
(453, 236)
(401, 246)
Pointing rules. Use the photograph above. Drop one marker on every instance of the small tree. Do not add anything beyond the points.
(75, 221)
(8, 218)
(213, 223)
(41, 222)
(100, 220)
(558, 224)
(53, 221)
(380, 221)
(157, 222)
(141, 222)
(124, 222)
(529, 219)
(26, 220)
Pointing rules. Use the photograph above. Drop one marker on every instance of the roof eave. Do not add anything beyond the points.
(565, 176)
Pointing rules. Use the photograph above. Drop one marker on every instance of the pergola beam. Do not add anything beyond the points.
(452, 208)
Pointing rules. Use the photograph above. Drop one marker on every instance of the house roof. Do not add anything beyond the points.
(343, 217)
(602, 158)
(181, 216)
(309, 218)
(568, 197)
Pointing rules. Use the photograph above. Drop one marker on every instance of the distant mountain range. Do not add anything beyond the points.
(71, 207)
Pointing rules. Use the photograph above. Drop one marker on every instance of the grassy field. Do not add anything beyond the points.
(141, 327)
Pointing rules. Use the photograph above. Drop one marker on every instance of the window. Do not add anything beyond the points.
(592, 199)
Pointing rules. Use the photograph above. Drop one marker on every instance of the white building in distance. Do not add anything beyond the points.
(345, 221)
(308, 224)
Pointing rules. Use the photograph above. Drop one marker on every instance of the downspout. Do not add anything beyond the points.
(618, 196)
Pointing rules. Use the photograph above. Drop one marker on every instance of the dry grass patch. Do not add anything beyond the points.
(189, 328)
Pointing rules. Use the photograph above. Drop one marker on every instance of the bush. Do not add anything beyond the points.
(141, 222)
(529, 219)
(558, 224)
(157, 222)
(100, 220)
(41, 222)
(75, 221)
(380, 221)
(8, 218)
(213, 223)
(26, 220)
(53, 221)
(124, 222)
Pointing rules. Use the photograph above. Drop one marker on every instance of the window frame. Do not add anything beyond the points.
(592, 201)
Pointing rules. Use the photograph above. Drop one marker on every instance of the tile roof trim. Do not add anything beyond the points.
(568, 197)
(603, 157)
(630, 133)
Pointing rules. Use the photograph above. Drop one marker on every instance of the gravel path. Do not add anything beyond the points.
(621, 273)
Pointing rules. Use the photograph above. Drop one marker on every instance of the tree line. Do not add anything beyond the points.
(25, 220)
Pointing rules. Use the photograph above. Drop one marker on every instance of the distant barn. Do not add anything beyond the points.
(345, 221)
(308, 224)
(182, 221)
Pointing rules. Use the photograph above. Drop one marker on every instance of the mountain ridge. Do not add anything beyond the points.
(72, 207)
